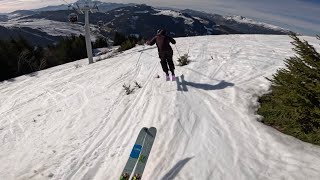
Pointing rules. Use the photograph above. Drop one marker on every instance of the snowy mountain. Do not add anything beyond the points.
(103, 7)
(42, 30)
(240, 23)
(3, 18)
(145, 20)
(53, 8)
(134, 19)
(34, 36)
(20, 13)
(75, 122)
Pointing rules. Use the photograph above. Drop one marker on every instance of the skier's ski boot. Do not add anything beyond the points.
(167, 78)
(136, 177)
(173, 78)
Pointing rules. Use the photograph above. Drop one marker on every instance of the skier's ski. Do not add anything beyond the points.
(134, 155)
(147, 145)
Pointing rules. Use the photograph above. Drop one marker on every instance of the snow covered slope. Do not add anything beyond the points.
(75, 122)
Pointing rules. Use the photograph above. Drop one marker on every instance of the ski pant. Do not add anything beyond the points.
(166, 60)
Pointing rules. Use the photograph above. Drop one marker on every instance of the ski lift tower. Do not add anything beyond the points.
(84, 7)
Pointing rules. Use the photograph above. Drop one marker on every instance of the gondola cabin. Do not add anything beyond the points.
(73, 17)
(100, 23)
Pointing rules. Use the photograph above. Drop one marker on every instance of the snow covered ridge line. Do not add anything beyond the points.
(245, 20)
(51, 27)
(175, 14)
(142, 12)
(236, 18)
(201, 20)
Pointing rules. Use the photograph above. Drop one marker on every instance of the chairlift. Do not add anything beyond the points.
(73, 17)
(100, 23)
(84, 7)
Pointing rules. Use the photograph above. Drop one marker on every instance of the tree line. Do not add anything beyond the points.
(127, 42)
(19, 57)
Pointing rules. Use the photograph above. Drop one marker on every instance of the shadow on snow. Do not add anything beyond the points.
(176, 169)
(182, 85)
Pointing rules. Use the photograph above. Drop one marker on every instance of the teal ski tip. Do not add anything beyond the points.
(144, 154)
(134, 155)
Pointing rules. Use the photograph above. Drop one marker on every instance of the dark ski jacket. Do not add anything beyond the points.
(163, 42)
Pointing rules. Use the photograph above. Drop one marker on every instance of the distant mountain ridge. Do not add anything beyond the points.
(103, 7)
(134, 19)
(239, 23)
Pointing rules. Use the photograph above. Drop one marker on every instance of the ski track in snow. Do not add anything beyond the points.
(76, 122)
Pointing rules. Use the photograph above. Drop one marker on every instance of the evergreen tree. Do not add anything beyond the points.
(119, 39)
(67, 50)
(10, 52)
(18, 57)
(128, 44)
(100, 42)
(293, 106)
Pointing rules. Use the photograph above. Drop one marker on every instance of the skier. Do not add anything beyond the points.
(165, 51)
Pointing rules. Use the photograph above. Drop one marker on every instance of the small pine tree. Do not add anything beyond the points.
(137, 84)
(127, 89)
(100, 42)
(293, 106)
(119, 38)
(128, 44)
(141, 42)
(184, 60)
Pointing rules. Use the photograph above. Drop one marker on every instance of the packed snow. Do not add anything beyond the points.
(75, 122)
(175, 14)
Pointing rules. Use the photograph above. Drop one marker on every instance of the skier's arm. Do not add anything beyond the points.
(172, 40)
(152, 41)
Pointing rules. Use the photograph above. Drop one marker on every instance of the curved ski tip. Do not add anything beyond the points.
(152, 130)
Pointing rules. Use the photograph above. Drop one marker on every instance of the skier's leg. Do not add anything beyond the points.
(170, 63)
(163, 63)
(164, 66)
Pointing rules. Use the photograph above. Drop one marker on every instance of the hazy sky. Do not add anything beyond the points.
(298, 15)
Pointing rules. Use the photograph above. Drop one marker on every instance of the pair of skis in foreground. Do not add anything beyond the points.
(139, 154)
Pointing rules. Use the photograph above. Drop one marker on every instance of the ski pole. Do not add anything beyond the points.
(138, 62)
(177, 50)
(140, 54)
